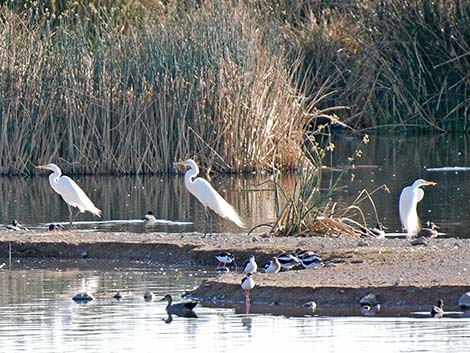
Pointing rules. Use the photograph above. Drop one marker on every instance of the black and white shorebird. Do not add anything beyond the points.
(288, 261)
(437, 311)
(308, 259)
(224, 258)
(149, 218)
(55, 227)
(247, 284)
(430, 230)
(377, 232)
(16, 226)
(184, 309)
(250, 265)
(272, 266)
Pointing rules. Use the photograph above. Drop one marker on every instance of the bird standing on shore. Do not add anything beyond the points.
(208, 196)
(272, 266)
(15, 225)
(430, 230)
(409, 198)
(250, 265)
(71, 193)
(437, 311)
(224, 258)
(287, 261)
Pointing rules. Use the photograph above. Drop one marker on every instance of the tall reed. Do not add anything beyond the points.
(96, 97)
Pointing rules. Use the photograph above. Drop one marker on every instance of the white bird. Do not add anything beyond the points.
(247, 284)
(437, 311)
(149, 218)
(250, 265)
(207, 195)
(409, 198)
(272, 266)
(224, 258)
(288, 261)
(71, 193)
(15, 226)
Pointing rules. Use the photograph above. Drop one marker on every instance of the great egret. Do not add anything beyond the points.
(71, 193)
(207, 195)
(272, 266)
(409, 198)
(250, 265)
(437, 311)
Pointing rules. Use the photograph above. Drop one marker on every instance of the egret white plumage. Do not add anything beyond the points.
(208, 196)
(71, 193)
(409, 198)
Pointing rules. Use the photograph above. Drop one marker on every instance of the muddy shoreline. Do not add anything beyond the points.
(399, 274)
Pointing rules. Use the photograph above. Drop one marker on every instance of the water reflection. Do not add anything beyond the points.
(392, 160)
(37, 314)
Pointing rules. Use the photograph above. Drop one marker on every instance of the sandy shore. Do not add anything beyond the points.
(398, 273)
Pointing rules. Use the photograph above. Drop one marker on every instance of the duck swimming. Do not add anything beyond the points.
(149, 218)
(179, 309)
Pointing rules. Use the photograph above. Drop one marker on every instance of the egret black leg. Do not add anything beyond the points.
(205, 221)
(70, 214)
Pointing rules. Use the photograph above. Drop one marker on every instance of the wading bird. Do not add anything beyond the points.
(15, 226)
(247, 284)
(409, 198)
(208, 196)
(430, 230)
(272, 266)
(71, 193)
(224, 258)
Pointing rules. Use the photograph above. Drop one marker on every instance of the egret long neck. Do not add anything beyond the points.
(190, 175)
(54, 179)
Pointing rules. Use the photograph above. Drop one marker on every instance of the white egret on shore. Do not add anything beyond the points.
(208, 196)
(71, 193)
(409, 198)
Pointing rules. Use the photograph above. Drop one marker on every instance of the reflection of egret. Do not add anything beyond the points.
(71, 193)
(208, 196)
(409, 198)
(437, 311)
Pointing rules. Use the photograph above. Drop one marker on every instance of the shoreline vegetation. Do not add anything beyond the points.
(129, 87)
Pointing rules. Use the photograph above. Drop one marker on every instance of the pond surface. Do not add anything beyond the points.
(395, 161)
(38, 315)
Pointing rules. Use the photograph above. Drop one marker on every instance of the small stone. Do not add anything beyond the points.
(362, 243)
(84, 254)
(419, 241)
(148, 295)
(357, 261)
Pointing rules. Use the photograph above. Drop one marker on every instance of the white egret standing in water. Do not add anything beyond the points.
(208, 196)
(409, 198)
(71, 193)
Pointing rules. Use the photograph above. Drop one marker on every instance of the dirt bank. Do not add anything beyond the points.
(398, 273)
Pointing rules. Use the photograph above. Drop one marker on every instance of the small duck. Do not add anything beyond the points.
(272, 266)
(430, 230)
(55, 227)
(437, 311)
(250, 265)
(15, 226)
(149, 218)
(224, 258)
(180, 309)
(117, 296)
(288, 261)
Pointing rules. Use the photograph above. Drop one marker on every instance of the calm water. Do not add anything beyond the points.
(37, 314)
(395, 161)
